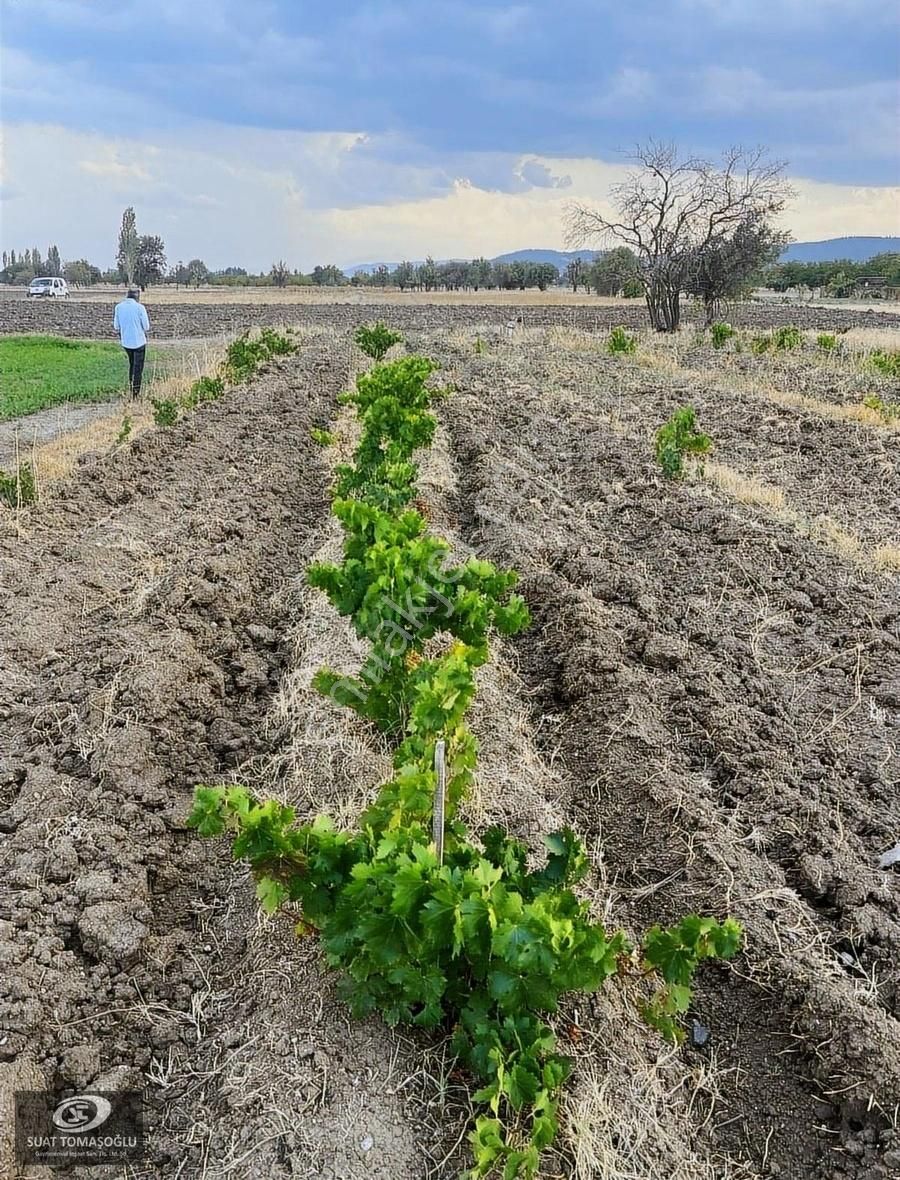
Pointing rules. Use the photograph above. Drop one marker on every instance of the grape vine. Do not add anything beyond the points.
(475, 942)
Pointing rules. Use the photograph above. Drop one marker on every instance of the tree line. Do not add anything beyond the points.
(839, 278)
(456, 275)
(29, 264)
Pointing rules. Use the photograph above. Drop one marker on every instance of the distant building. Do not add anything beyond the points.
(872, 287)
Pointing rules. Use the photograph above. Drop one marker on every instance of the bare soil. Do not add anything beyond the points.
(188, 318)
(710, 694)
(725, 693)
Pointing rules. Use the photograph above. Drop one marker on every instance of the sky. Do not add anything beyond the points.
(244, 131)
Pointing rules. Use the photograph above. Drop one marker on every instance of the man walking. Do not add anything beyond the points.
(132, 323)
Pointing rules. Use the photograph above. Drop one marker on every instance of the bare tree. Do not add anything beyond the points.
(670, 210)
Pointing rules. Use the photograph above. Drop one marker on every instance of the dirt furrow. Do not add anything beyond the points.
(139, 649)
(725, 695)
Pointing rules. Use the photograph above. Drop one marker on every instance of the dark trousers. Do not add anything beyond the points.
(136, 368)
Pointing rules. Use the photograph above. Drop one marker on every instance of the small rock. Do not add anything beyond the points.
(891, 857)
(367, 1143)
(62, 861)
(665, 652)
(81, 1063)
(109, 932)
(120, 1077)
(261, 634)
(94, 887)
(699, 1034)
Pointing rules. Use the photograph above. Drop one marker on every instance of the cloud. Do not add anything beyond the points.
(247, 131)
(567, 77)
(247, 197)
(538, 175)
(127, 173)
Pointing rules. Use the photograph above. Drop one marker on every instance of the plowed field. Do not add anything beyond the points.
(709, 693)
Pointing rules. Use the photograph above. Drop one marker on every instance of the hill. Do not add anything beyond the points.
(559, 258)
(853, 249)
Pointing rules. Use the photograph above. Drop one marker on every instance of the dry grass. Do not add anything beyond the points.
(886, 558)
(824, 530)
(744, 488)
(864, 340)
(57, 459)
(856, 412)
(575, 340)
(618, 1112)
(839, 540)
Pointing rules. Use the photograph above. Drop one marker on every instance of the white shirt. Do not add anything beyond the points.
(132, 323)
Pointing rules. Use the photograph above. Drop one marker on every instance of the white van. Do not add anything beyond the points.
(48, 289)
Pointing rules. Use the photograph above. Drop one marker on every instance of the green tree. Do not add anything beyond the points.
(480, 274)
(542, 275)
(54, 262)
(613, 271)
(279, 273)
(575, 273)
(81, 273)
(404, 275)
(887, 265)
(36, 261)
(727, 266)
(328, 276)
(453, 275)
(196, 272)
(128, 247)
(503, 276)
(150, 264)
(427, 274)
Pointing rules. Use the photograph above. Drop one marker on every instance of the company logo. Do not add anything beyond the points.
(82, 1112)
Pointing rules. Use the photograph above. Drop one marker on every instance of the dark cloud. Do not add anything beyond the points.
(456, 77)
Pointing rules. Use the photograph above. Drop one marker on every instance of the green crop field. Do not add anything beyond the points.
(41, 371)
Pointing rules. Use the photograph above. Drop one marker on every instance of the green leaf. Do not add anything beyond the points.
(521, 1086)
(271, 894)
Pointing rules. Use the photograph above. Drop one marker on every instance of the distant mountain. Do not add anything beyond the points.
(853, 249)
(559, 258)
(369, 268)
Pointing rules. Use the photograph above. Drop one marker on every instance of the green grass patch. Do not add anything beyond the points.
(41, 371)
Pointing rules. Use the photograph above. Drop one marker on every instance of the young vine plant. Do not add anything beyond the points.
(376, 340)
(475, 941)
(677, 438)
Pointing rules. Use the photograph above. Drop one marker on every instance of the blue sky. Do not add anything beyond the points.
(426, 116)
